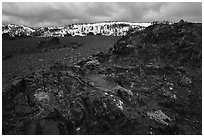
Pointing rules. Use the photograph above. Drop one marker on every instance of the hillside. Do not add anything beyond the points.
(110, 28)
(149, 82)
(24, 55)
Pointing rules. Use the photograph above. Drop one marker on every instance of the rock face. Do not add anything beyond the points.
(104, 28)
(143, 92)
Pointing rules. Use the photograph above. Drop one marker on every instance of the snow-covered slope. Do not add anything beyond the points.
(16, 30)
(102, 28)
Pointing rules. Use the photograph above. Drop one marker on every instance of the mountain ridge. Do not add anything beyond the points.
(81, 29)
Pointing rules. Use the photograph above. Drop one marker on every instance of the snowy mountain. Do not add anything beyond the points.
(16, 30)
(102, 28)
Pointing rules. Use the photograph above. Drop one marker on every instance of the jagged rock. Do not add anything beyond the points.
(42, 97)
(122, 91)
(77, 101)
(165, 55)
(122, 48)
(159, 116)
(92, 62)
(93, 65)
(137, 94)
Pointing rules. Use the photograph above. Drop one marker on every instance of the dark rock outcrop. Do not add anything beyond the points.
(150, 82)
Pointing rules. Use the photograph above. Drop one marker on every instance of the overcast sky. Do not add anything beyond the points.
(60, 14)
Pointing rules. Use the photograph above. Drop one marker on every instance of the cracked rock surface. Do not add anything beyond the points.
(149, 83)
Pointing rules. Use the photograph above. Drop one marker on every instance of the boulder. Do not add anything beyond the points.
(123, 48)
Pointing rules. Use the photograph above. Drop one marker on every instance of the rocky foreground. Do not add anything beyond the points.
(150, 82)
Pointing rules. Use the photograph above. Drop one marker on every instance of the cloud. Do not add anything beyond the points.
(176, 11)
(100, 9)
(46, 14)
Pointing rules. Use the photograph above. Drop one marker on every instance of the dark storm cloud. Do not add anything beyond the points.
(43, 14)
